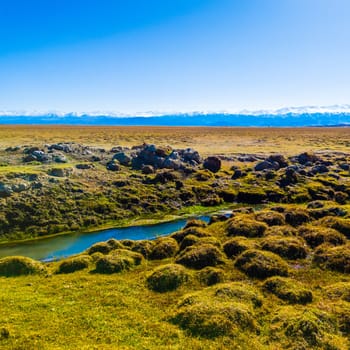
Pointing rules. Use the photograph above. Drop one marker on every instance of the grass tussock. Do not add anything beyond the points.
(20, 266)
(74, 264)
(200, 256)
(287, 247)
(288, 290)
(261, 264)
(242, 225)
(166, 278)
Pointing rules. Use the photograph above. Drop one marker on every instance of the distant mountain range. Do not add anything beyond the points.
(287, 117)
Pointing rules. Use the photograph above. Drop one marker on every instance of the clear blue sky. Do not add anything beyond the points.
(173, 55)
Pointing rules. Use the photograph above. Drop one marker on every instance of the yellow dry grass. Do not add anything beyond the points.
(207, 140)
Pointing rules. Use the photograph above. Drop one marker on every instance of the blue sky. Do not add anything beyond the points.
(173, 55)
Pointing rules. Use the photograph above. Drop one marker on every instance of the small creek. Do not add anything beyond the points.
(66, 245)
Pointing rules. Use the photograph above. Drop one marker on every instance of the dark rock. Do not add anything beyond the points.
(319, 169)
(148, 169)
(247, 158)
(5, 190)
(344, 166)
(238, 174)
(122, 158)
(113, 165)
(61, 147)
(59, 158)
(84, 166)
(278, 158)
(307, 158)
(59, 172)
(213, 164)
(266, 165)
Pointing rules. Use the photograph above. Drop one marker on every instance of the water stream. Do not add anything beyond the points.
(59, 247)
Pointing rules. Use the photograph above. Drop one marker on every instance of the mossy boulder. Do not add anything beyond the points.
(211, 275)
(271, 218)
(261, 264)
(237, 245)
(167, 278)
(118, 261)
(164, 248)
(333, 258)
(73, 264)
(286, 247)
(317, 235)
(245, 226)
(288, 290)
(20, 266)
(200, 256)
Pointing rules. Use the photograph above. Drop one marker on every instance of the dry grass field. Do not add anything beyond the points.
(207, 140)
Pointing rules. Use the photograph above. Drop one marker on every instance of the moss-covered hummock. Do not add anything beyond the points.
(166, 278)
(261, 264)
(20, 266)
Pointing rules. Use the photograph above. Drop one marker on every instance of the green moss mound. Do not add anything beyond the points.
(333, 258)
(306, 329)
(339, 224)
(244, 226)
(237, 245)
(188, 241)
(211, 275)
(288, 290)
(286, 247)
(143, 247)
(120, 260)
(76, 263)
(164, 248)
(239, 291)
(212, 320)
(317, 235)
(115, 244)
(261, 264)
(193, 230)
(284, 230)
(200, 256)
(297, 216)
(100, 247)
(20, 266)
(341, 310)
(337, 291)
(167, 278)
(271, 218)
(195, 223)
